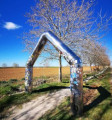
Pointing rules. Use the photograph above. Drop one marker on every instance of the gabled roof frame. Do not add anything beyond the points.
(76, 81)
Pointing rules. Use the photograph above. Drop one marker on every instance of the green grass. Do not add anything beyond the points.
(62, 112)
(13, 85)
(7, 88)
(18, 99)
(99, 109)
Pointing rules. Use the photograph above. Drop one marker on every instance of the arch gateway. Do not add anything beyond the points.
(76, 80)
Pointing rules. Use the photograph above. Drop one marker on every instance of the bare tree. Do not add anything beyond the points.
(4, 65)
(96, 55)
(71, 21)
(15, 65)
(65, 18)
(46, 63)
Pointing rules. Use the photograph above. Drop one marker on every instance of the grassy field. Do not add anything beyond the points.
(96, 98)
(19, 73)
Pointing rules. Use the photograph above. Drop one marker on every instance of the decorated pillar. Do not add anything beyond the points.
(76, 87)
(28, 78)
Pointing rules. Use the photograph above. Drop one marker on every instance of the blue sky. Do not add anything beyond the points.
(13, 24)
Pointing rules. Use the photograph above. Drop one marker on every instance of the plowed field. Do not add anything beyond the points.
(18, 73)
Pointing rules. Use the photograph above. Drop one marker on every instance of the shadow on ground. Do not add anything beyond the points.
(63, 114)
(51, 88)
(103, 95)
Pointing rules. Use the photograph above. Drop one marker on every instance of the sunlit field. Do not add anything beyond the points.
(19, 73)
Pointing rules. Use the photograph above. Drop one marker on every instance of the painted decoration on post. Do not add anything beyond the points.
(28, 78)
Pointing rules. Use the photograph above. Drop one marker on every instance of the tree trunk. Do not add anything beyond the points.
(60, 68)
(91, 68)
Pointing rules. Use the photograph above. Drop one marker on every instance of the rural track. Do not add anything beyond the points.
(37, 107)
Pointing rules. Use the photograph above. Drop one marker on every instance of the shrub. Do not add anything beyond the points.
(9, 89)
(23, 79)
(13, 80)
(3, 82)
(5, 90)
(15, 87)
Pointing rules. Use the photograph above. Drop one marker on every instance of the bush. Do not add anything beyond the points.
(13, 80)
(23, 79)
(8, 89)
(3, 82)
(5, 90)
(15, 87)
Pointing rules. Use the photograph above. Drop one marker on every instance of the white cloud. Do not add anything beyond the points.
(11, 26)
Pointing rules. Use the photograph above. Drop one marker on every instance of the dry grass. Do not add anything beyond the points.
(18, 73)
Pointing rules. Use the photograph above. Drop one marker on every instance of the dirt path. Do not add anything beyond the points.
(34, 109)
